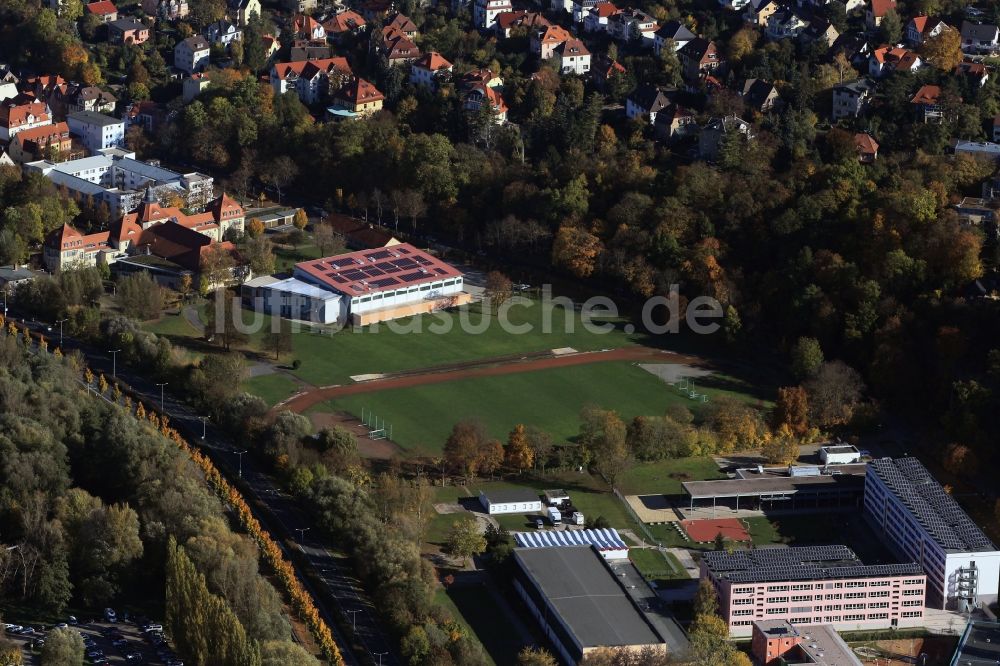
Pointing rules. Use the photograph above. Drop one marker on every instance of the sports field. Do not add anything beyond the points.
(422, 417)
(412, 343)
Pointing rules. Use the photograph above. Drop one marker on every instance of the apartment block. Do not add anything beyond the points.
(922, 522)
(814, 585)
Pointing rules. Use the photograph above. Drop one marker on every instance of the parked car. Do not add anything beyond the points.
(72, 619)
(119, 642)
(110, 615)
(153, 628)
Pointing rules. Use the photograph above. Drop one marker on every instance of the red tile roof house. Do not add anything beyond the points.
(887, 59)
(926, 102)
(867, 148)
(428, 69)
(699, 56)
(51, 142)
(306, 27)
(920, 28)
(478, 94)
(397, 47)
(404, 25)
(104, 10)
(345, 23)
(358, 98)
(545, 40)
(137, 233)
(507, 22)
(311, 80)
(16, 117)
(877, 9)
(976, 71)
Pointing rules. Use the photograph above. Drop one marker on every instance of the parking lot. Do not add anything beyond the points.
(115, 640)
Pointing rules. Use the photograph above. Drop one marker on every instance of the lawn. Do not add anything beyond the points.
(588, 494)
(665, 477)
(551, 399)
(418, 342)
(286, 257)
(171, 324)
(272, 388)
(475, 608)
(656, 565)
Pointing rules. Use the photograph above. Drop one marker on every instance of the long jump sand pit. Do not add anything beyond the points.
(705, 531)
(652, 509)
(379, 449)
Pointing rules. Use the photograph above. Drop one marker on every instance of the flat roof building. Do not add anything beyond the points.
(786, 488)
(779, 642)
(919, 520)
(510, 500)
(381, 284)
(814, 585)
(578, 602)
(979, 645)
(607, 542)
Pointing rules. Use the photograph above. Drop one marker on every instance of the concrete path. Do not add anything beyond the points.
(683, 556)
(190, 313)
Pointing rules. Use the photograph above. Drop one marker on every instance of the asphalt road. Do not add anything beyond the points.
(281, 515)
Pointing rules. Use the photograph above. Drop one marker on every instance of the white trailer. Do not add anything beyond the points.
(554, 516)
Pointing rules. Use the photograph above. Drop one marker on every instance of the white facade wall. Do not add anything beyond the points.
(907, 536)
(494, 508)
(97, 135)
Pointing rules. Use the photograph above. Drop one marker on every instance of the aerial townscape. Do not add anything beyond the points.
(499, 332)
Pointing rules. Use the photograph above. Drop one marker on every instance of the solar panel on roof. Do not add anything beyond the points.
(384, 282)
(410, 277)
(380, 254)
(403, 250)
(405, 263)
(385, 266)
(440, 271)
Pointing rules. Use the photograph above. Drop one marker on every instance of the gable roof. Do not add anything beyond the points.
(865, 143)
(650, 98)
(756, 92)
(676, 31)
(402, 23)
(881, 7)
(604, 10)
(346, 21)
(927, 95)
(552, 34)
(697, 48)
(126, 24)
(15, 115)
(359, 91)
(490, 95)
(101, 8)
(979, 31)
(572, 47)
(305, 24)
(196, 43)
(433, 61)
(284, 70)
(44, 133)
(398, 46)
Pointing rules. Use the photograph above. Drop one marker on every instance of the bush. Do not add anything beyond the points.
(296, 364)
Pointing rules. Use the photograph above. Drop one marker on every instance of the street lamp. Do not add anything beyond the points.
(204, 419)
(161, 396)
(114, 361)
(302, 532)
(240, 454)
(354, 618)
(379, 655)
(60, 322)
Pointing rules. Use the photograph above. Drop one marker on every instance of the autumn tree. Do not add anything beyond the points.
(834, 393)
(791, 409)
(737, 425)
(604, 441)
(255, 227)
(959, 459)
(498, 289)
(280, 341)
(518, 453)
(944, 50)
(217, 265)
(531, 656)
(462, 448)
(327, 241)
(139, 296)
(491, 456)
(576, 250)
(782, 447)
(465, 539)
(300, 220)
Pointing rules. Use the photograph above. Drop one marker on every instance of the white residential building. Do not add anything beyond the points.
(96, 131)
(484, 12)
(192, 54)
